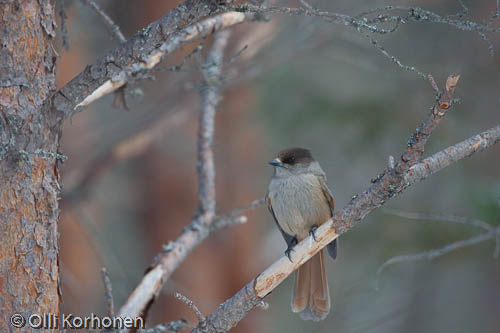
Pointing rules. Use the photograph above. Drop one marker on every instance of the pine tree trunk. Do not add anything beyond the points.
(29, 139)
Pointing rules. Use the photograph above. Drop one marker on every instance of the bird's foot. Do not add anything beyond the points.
(289, 250)
(312, 232)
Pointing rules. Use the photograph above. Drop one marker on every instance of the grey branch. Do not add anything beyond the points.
(191, 305)
(440, 217)
(428, 255)
(235, 216)
(387, 185)
(210, 95)
(150, 60)
(199, 228)
(108, 292)
(139, 46)
(106, 19)
(453, 154)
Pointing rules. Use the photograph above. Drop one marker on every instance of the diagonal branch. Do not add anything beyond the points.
(128, 148)
(440, 217)
(387, 185)
(106, 19)
(491, 232)
(428, 255)
(199, 228)
(150, 60)
(452, 154)
(135, 50)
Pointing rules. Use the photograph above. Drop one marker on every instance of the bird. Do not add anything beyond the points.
(299, 200)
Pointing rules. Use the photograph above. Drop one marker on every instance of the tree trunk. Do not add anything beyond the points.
(29, 139)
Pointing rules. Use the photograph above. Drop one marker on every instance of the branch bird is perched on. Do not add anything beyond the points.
(299, 199)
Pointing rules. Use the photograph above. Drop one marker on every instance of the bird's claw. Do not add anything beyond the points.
(289, 250)
(312, 232)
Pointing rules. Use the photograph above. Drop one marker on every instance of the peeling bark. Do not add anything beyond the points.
(29, 139)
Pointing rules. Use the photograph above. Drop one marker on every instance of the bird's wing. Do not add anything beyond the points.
(288, 238)
(332, 247)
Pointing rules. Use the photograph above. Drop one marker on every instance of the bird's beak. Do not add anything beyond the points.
(276, 162)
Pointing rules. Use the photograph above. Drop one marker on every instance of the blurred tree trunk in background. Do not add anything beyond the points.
(29, 136)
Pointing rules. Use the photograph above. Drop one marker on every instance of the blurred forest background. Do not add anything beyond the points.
(300, 81)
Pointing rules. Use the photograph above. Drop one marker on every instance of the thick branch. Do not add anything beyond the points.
(137, 48)
(149, 60)
(388, 185)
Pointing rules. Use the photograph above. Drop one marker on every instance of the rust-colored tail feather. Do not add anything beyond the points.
(311, 296)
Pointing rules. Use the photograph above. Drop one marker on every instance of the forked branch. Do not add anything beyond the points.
(387, 185)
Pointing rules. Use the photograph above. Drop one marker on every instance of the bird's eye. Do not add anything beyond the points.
(289, 160)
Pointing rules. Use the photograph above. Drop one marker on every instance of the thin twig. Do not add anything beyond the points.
(64, 29)
(428, 255)
(440, 217)
(179, 67)
(235, 216)
(395, 60)
(305, 4)
(191, 305)
(108, 292)
(113, 27)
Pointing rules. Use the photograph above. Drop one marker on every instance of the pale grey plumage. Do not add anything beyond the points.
(299, 199)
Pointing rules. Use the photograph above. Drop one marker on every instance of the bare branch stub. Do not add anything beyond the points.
(417, 142)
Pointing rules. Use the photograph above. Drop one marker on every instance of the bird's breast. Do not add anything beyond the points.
(298, 203)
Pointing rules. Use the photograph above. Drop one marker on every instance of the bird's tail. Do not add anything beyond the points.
(311, 297)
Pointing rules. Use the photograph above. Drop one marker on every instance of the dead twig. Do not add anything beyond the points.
(429, 255)
(113, 27)
(191, 305)
(440, 217)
